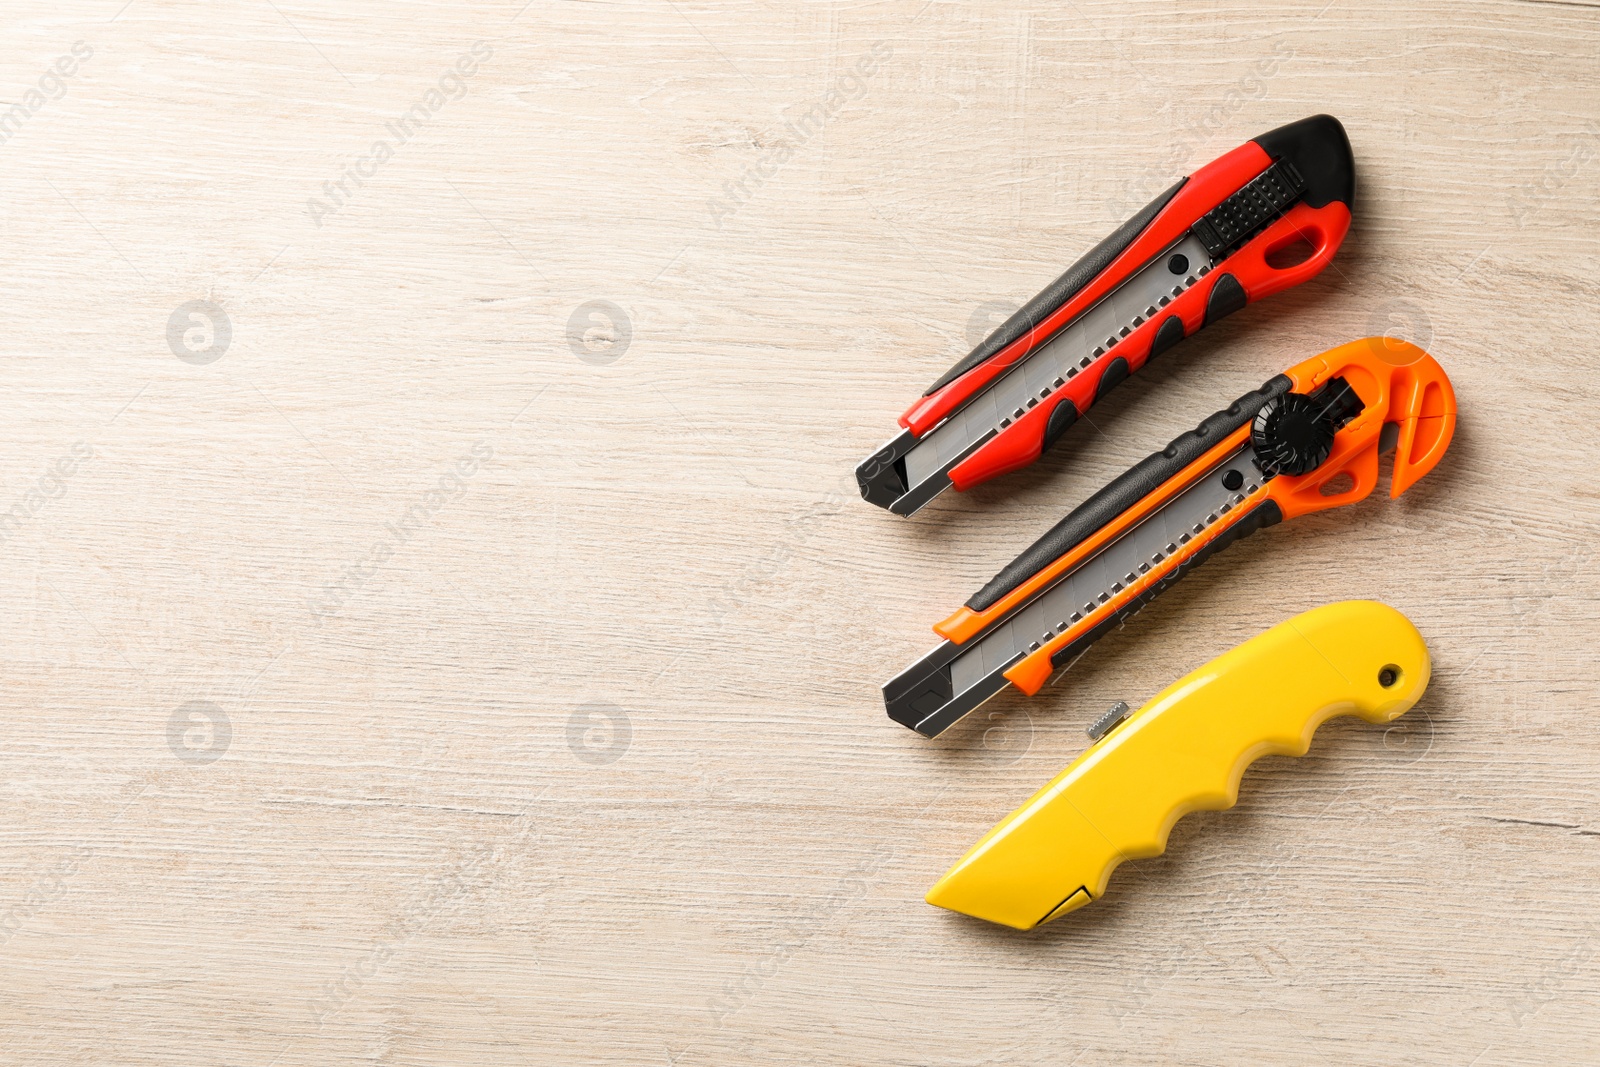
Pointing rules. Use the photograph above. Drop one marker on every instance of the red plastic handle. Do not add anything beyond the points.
(1323, 228)
(1200, 192)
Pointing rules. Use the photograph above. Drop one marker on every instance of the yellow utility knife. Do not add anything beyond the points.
(1186, 751)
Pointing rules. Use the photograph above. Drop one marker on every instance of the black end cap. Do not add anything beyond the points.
(1227, 296)
(1320, 150)
(881, 477)
(912, 705)
(884, 486)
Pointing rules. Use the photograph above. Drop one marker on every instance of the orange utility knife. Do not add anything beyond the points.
(1307, 440)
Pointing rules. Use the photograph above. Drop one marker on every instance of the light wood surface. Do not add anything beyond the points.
(406, 682)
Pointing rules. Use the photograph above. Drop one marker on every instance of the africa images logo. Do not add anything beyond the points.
(51, 485)
(51, 86)
(449, 486)
(848, 87)
(452, 85)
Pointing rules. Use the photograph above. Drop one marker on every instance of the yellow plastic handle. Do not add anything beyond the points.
(1186, 751)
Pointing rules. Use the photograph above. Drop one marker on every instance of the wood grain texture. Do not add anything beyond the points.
(569, 749)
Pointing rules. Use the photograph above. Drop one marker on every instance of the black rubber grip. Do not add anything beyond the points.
(1266, 513)
(1058, 292)
(1227, 296)
(1127, 490)
(1170, 333)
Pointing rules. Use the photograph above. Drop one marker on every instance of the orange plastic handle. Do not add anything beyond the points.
(1398, 383)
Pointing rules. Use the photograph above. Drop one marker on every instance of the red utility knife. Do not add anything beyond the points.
(1226, 235)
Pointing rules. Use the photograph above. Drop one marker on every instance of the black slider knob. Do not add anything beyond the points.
(1293, 433)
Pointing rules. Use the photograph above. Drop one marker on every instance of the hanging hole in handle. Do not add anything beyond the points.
(1339, 484)
(1291, 253)
(1388, 676)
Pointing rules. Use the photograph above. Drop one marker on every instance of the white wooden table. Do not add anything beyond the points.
(455, 639)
